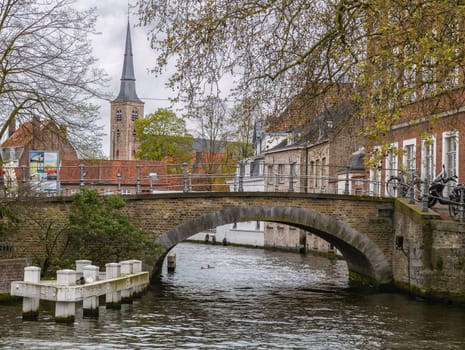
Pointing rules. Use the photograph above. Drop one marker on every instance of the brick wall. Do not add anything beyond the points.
(160, 213)
(11, 270)
(431, 261)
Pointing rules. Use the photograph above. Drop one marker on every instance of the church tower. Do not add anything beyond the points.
(125, 109)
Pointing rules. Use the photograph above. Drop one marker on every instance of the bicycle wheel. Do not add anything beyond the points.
(455, 209)
(394, 187)
(432, 200)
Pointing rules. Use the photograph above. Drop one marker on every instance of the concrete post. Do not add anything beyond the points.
(65, 310)
(90, 305)
(171, 262)
(113, 300)
(80, 266)
(136, 268)
(126, 294)
(31, 304)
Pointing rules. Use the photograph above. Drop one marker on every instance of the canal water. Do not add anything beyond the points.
(238, 298)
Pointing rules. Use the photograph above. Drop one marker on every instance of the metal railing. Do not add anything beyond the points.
(142, 179)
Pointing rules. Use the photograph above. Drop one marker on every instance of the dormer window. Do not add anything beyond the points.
(118, 116)
(134, 115)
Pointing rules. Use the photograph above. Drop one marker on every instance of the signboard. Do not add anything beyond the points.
(43, 171)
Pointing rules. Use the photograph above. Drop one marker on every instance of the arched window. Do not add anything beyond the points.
(118, 116)
(134, 115)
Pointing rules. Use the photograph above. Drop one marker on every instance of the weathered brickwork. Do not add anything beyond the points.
(430, 261)
(353, 225)
(11, 270)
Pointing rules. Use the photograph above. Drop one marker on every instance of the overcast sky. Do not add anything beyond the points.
(108, 48)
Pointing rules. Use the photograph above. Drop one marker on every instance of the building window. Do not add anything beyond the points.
(270, 174)
(317, 173)
(409, 159)
(391, 161)
(118, 133)
(281, 176)
(294, 169)
(312, 173)
(134, 133)
(118, 116)
(323, 171)
(428, 159)
(134, 115)
(450, 152)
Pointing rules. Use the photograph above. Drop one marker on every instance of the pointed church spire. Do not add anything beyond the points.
(127, 90)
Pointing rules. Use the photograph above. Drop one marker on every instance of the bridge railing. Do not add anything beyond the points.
(156, 177)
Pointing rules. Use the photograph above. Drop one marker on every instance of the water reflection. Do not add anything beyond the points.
(248, 299)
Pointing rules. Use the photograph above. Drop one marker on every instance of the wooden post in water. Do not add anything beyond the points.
(171, 262)
(113, 300)
(31, 304)
(126, 294)
(65, 310)
(90, 305)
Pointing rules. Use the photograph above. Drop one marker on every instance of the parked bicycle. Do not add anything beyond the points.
(436, 188)
(457, 203)
(404, 185)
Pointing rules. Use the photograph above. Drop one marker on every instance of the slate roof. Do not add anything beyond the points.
(127, 90)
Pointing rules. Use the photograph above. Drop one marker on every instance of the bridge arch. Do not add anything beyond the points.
(362, 255)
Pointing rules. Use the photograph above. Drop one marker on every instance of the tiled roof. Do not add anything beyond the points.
(105, 172)
(21, 137)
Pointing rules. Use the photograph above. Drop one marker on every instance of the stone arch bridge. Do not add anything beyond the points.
(360, 227)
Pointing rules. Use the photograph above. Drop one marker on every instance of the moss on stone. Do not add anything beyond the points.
(9, 299)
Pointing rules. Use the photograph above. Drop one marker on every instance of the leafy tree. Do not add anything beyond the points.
(391, 52)
(99, 230)
(46, 67)
(53, 237)
(163, 135)
(242, 119)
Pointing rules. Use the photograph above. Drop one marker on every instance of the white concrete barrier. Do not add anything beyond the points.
(69, 289)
